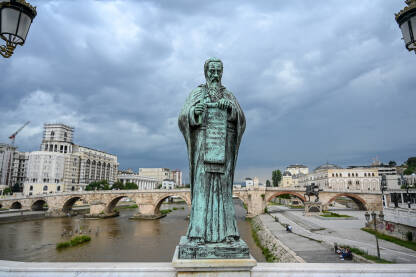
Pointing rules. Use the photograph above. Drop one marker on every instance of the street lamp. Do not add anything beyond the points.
(406, 19)
(16, 16)
(374, 216)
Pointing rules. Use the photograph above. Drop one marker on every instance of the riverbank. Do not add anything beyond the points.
(273, 249)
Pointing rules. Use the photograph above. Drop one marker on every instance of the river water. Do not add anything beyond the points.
(115, 239)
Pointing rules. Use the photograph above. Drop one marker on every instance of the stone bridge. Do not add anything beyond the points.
(149, 201)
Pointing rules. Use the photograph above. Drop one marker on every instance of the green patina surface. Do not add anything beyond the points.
(212, 123)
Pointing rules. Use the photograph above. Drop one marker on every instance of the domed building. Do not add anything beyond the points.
(292, 174)
(287, 180)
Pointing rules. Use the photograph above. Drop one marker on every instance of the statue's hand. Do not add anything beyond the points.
(200, 108)
(224, 104)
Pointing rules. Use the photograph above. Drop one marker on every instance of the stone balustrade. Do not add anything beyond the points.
(29, 269)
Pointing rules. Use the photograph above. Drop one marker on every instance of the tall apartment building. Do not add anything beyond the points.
(6, 159)
(13, 165)
(161, 174)
(61, 165)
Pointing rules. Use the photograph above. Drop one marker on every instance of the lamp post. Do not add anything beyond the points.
(16, 16)
(406, 19)
(374, 216)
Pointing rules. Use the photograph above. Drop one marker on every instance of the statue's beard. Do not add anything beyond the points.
(214, 83)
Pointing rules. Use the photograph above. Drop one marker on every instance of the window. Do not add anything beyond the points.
(365, 174)
(349, 174)
(373, 174)
(30, 193)
(340, 175)
(31, 188)
(357, 182)
(45, 188)
(73, 188)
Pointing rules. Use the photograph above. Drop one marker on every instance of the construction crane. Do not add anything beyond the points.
(13, 136)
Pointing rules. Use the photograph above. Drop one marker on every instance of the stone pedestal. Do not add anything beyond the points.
(213, 267)
(190, 250)
(313, 208)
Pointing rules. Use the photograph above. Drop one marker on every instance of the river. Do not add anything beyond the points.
(115, 239)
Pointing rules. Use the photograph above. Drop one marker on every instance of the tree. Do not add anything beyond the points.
(408, 171)
(392, 163)
(7, 191)
(117, 185)
(131, 186)
(16, 188)
(276, 177)
(268, 183)
(98, 185)
(411, 162)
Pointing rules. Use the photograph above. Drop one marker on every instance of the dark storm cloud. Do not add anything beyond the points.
(318, 80)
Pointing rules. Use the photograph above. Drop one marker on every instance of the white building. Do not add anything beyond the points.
(253, 183)
(177, 177)
(292, 174)
(297, 169)
(168, 184)
(161, 174)
(142, 182)
(81, 165)
(332, 177)
(45, 173)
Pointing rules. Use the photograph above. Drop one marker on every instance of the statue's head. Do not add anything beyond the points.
(213, 70)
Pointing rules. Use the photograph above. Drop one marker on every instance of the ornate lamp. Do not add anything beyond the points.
(367, 216)
(16, 16)
(406, 19)
(381, 216)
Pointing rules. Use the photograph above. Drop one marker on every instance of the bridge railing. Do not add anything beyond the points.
(85, 192)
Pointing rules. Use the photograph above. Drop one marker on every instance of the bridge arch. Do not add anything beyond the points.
(361, 203)
(69, 203)
(242, 199)
(38, 205)
(296, 194)
(16, 205)
(113, 203)
(159, 201)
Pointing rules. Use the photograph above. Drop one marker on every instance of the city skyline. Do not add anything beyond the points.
(323, 88)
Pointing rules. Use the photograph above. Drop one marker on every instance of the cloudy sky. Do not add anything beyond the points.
(322, 80)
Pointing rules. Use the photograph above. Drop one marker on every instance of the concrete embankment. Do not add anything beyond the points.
(276, 248)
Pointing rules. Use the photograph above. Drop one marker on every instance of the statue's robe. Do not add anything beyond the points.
(212, 213)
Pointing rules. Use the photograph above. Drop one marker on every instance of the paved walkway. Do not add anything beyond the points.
(309, 250)
(344, 232)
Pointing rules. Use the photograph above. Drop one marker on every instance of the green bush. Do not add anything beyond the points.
(409, 236)
(331, 214)
(79, 240)
(165, 211)
(73, 242)
(62, 245)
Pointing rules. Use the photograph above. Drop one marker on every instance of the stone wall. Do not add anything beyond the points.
(275, 246)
